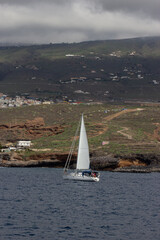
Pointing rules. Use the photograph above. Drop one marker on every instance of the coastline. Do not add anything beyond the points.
(135, 163)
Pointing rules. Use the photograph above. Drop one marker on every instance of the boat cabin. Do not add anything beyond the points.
(90, 173)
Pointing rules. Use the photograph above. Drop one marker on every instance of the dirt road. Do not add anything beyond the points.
(115, 115)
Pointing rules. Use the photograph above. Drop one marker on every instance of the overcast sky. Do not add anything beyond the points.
(45, 21)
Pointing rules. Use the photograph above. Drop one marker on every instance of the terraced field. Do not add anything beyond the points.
(116, 129)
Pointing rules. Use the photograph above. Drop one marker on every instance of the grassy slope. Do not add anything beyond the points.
(143, 47)
(140, 125)
(17, 63)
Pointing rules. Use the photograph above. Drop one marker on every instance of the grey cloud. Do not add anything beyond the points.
(31, 2)
(147, 7)
(43, 21)
(144, 7)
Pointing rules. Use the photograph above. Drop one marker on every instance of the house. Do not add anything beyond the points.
(5, 150)
(12, 148)
(24, 143)
(8, 148)
(70, 55)
(46, 102)
(155, 82)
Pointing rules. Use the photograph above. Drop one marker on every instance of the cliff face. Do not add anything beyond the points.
(31, 129)
(143, 163)
(36, 160)
(135, 163)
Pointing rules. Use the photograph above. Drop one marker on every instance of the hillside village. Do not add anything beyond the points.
(128, 72)
(6, 101)
(102, 71)
(19, 101)
(102, 75)
(92, 75)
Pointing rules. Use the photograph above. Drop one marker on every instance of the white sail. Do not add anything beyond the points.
(83, 161)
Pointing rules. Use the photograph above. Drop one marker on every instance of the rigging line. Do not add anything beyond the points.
(71, 149)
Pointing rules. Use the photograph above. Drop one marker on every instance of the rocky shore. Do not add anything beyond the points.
(137, 163)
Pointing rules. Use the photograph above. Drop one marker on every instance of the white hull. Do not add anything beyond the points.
(79, 177)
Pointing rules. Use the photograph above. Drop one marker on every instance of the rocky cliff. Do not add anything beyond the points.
(132, 163)
(30, 129)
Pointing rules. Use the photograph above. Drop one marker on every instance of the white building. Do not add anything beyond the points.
(24, 143)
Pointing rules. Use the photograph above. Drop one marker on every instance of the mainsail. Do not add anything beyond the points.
(83, 161)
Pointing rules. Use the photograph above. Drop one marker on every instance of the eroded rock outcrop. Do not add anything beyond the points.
(138, 163)
(35, 160)
(104, 163)
(30, 129)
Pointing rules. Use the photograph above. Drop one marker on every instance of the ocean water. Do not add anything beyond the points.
(36, 203)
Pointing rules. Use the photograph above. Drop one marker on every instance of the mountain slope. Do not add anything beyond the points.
(99, 70)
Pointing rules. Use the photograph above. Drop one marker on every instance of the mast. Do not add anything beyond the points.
(83, 161)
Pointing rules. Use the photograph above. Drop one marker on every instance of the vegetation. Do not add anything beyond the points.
(115, 73)
(133, 130)
(45, 71)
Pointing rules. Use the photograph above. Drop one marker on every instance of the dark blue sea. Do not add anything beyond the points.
(36, 203)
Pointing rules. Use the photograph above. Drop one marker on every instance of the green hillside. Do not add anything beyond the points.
(100, 70)
(124, 129)
(144, 47)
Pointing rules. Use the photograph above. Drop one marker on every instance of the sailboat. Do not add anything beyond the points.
(82, 171)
